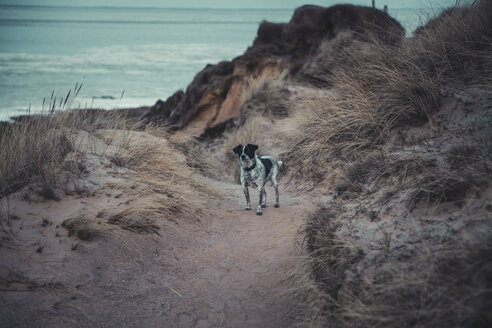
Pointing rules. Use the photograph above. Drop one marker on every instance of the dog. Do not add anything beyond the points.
(257, 171)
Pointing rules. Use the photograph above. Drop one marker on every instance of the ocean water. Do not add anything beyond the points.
(125, 57)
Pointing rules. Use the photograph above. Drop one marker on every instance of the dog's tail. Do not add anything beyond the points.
(279, 163)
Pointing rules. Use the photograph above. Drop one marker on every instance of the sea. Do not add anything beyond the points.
(123, 57)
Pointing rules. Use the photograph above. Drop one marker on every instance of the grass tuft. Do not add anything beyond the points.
(134, 220)
(83, 227)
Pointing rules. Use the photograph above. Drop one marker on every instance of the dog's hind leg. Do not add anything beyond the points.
(275, 186)
(263, 204)
(246, 195)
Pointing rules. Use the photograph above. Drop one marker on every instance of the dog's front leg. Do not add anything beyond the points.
(246, 195)
(261, 190)
(275, 186)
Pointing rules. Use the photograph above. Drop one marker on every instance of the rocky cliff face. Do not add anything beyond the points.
(214, 98)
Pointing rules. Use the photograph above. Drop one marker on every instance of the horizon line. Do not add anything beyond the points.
(180, 8)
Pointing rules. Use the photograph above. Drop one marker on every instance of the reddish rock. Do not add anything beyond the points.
(216, 94)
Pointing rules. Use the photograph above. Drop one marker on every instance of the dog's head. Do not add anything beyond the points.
(245, 153)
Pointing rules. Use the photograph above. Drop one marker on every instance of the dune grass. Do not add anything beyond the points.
(31, 151)
(35, 148)
(445, 286)
(54, 149)
(162, 187)
(355, 138)
(379, 87)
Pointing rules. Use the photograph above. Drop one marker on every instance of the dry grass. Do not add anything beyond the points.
(267, 98)
(330, 256)
(52, 151)
(426, 180)
(454, 290)
(383, 149)
(325, 131)
(249, 133)
(35, 149)
(30, 151)
(84, 228)
(371, 98)
(380, 87)
(442, 285)
(196, 152)
(164, 186)
(374, 169)
(133, 219)
(160, 183)
(435, 189)
(457, 42)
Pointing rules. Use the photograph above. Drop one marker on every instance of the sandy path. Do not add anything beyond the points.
(240, 270)
(234, 269)
(245, 270)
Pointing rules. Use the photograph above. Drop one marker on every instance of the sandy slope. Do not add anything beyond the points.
(233, 269)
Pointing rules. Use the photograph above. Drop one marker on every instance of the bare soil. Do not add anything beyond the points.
(231, 269)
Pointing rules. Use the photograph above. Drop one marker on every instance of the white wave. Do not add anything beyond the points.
(80, 103)
(113, 103)
(130, 59)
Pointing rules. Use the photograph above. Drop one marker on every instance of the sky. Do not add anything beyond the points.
(230, 3)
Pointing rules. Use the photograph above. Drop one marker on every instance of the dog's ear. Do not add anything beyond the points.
(237, 149)
(253, 147)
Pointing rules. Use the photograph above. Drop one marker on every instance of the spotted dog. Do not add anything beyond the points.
(257, 171)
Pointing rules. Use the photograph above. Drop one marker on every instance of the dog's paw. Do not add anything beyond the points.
(247, 208)
(277, 205)
(259, 213)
